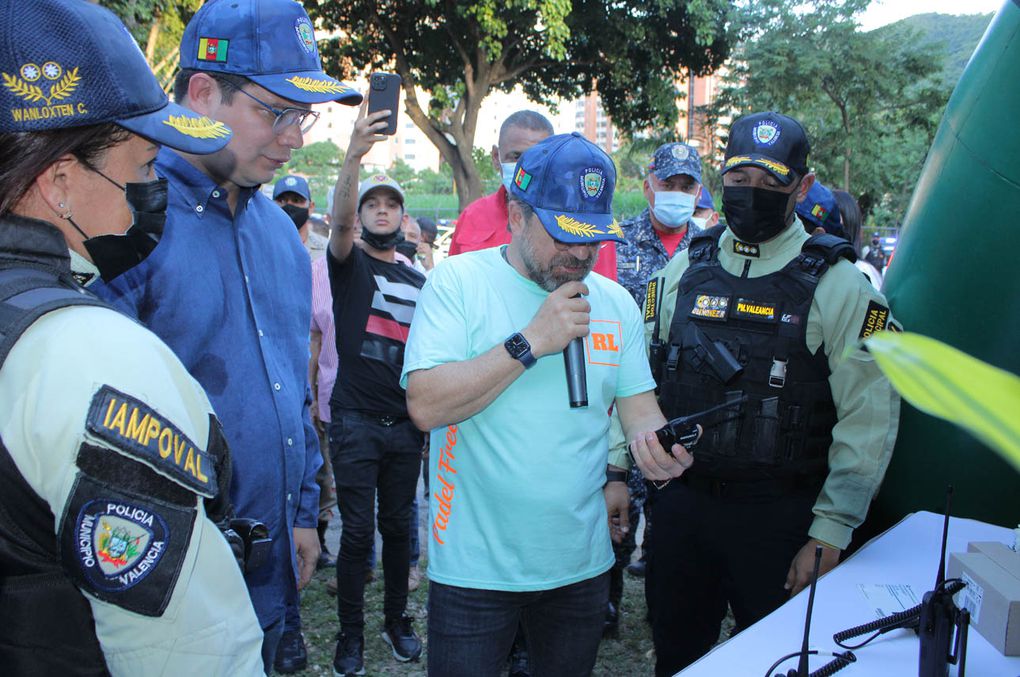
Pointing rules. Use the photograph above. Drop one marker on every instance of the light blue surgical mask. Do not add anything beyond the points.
(673, 208)
(508, 173)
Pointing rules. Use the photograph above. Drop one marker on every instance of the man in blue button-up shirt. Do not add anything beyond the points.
(229, 285)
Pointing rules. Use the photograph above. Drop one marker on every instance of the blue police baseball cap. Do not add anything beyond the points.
(292, 184)
(705, 200)
(270, 42)
(775, 142)
(569, 182)
(818, 209)
(71, 63)
(671, 159)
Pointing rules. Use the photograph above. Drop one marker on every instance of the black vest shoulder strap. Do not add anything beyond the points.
(830, 248)
(704, 246)
(28, 293)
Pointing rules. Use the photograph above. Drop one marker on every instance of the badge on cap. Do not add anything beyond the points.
(306, 37)
(522, 179)
(29, 83)
(290, 181)
(592, 182)
(680, 152)
(213, 49)
(766, 133)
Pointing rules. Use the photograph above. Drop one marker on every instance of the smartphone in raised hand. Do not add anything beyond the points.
(384, 94)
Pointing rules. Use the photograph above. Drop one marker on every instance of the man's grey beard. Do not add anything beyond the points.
(544, 277)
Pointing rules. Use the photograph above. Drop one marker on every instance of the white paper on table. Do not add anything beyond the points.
(888, 599)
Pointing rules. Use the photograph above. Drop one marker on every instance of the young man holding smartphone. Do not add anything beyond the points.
(374, 446)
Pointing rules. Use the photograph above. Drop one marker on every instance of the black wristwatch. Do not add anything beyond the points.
(616, 476)
(520, 350)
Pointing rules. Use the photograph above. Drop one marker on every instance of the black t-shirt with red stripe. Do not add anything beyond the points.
(373, 302)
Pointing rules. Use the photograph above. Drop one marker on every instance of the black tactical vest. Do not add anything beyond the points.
(733, 335)
(47, 626)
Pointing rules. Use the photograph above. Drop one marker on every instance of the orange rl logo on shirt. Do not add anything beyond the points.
(604, 343)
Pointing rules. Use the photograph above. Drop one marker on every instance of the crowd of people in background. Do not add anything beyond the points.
(338, 356)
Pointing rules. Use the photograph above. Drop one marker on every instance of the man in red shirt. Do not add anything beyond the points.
(483, 223)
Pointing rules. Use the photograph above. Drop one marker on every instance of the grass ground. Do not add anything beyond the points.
(628, 655)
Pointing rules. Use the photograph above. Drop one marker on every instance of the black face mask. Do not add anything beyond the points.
(115, 254)
(755, 214)
(382, 242)
(408, 249)
(299, 215)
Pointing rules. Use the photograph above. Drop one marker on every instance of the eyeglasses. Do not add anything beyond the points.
(301, 117)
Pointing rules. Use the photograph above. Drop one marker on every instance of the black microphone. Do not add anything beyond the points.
(577, 378)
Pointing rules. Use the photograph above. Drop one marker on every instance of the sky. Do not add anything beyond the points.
(882, 12)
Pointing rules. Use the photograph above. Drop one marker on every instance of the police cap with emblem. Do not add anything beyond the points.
(671, 159)
(569, 182)
(292, 184)
(270, 42)
(772, 141)
(71, 63)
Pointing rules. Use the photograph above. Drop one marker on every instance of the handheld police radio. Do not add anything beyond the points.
(934, 620)
(685, 429)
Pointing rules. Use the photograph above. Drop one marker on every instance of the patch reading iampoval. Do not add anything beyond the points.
(875, 320)
(137, 431)
(711, 307)
(747, 309)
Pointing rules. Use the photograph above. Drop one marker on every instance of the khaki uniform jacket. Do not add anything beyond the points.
(845, 309)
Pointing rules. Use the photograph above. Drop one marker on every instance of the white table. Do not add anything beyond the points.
(908, 553)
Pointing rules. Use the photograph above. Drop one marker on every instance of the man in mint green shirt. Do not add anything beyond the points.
(520, 497)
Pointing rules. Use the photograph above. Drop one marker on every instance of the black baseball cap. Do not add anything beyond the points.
(776, 143)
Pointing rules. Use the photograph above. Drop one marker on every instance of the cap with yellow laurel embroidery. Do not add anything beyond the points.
(270, 42)
(569, 182)
(71, 63)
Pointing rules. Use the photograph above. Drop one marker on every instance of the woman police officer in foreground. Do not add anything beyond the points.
(111, 459)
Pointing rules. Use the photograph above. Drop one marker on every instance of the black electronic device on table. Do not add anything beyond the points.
(839, 661)
(941, 626)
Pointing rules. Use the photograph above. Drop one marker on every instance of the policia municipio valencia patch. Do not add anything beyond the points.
(124, 548)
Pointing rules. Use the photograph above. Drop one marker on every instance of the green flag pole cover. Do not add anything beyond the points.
(955, 278)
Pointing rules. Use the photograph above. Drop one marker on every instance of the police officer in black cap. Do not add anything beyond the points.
(760, 308)
(113, 468)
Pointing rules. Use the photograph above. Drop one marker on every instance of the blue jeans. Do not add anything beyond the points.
(371, 459)
(471, 631)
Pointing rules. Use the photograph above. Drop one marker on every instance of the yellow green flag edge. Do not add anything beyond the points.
(945, 382)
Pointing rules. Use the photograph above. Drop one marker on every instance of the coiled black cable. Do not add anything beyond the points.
(840, 661)
(909, 618)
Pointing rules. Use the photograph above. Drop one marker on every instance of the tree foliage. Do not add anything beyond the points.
(157, 25)
(458, 52)
(870, 102)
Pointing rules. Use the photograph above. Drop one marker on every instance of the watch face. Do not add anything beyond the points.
(517, 345)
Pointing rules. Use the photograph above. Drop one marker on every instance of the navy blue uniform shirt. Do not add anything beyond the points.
(231, 295)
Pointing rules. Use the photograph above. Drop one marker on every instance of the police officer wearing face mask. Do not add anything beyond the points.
(114, 471)
(657, 234)
(760, 308)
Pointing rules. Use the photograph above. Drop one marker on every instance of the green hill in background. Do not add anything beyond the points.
(957, 35)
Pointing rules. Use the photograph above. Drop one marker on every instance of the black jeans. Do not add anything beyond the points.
(370, 459)
(712, 552)
(471, 630)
